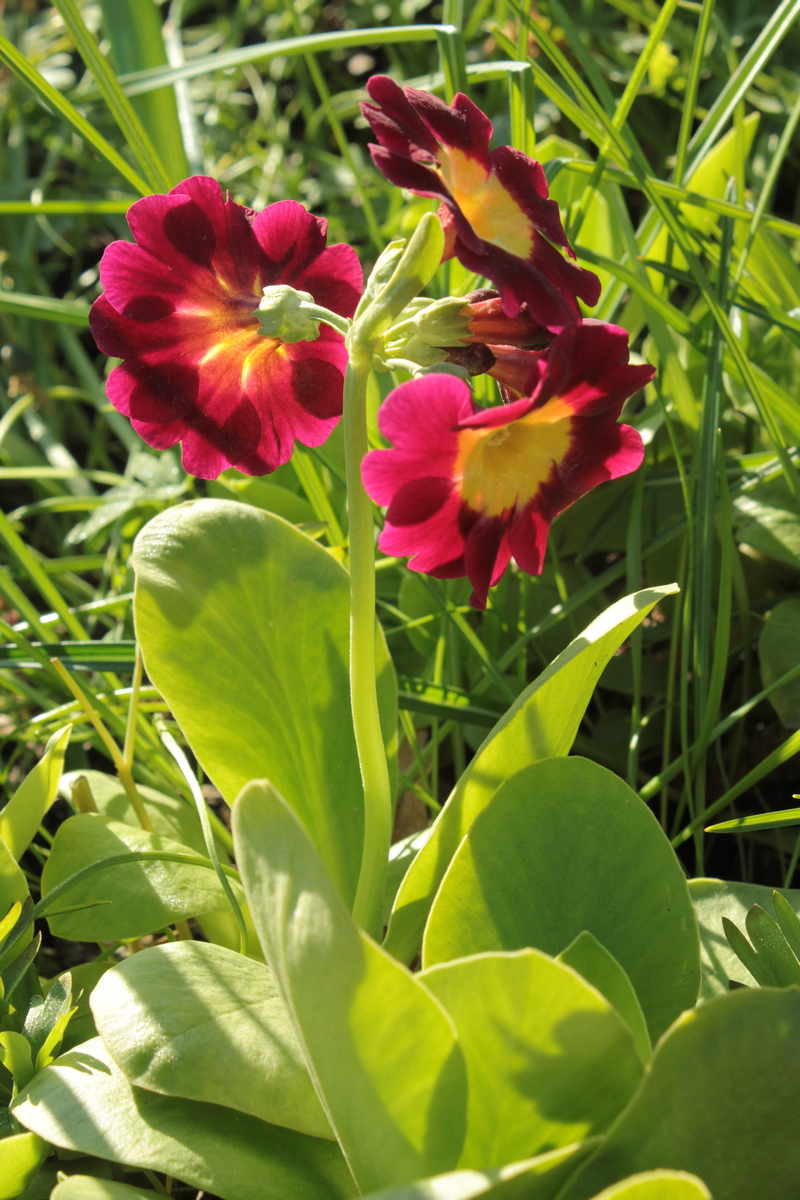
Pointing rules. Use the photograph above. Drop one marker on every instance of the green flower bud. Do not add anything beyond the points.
(381, 274)
(288, 314)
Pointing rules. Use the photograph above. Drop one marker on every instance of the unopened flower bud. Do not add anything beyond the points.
(381, 274)
(476, 359)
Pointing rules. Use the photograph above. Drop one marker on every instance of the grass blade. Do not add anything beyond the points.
(52, 98)
(134, 30)
(116, 101)
(45, 308)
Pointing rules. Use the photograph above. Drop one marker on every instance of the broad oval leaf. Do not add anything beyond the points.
(383, 1053)
(549, 1061)
(169, 815)
(598, 967)
(539, 1178)
(83, 1102)
(85, 1187)
(719, 1101)
(658, 1185)
(542, 722)
(195, 1020)
(244, 626)
(564, 846)
(144, 896)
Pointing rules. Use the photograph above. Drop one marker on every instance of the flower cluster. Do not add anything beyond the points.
(178, 308)
(467, 489)
(229, 325)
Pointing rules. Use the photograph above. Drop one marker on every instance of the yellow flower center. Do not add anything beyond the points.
(491, 211)
(500, 468)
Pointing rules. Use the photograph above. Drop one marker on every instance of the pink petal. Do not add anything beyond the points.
(417, 414)
(334, 279)
(418, 501)
(174, 224)
(432, 544)
(407, 173)
(527, 539)
(525, 180)
(395, 121)
(150, 395)
(290, 238)
(485, 556)
(218, 437)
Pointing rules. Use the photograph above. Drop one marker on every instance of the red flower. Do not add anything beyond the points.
(178, 308)
(497, 219)
(469, 488)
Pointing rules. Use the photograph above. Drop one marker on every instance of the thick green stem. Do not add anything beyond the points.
(363, 690)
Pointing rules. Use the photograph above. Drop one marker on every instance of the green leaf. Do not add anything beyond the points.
(549, 1061)
(81, 1026)
(25, 811)
(16, 1056)
(244, 626)
(746, 954)
(778, 652)
(714, 899)
(766, 519)
(13, 887)
(46, 1020)
(169, 815)
(564, 846)
(658, 1185)
(382, 1052)
(719, 1101)
(542, 722)
(598, 966)
(788, 922)
(261, 493)
(21, 1155)
(194, 1020)
(539, 1178)
(710, 177)
(769, 959)
(144, 896)
(84, 1103)
(758, 52)
(84, 1187)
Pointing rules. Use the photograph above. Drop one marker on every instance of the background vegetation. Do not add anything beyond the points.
(669, 138)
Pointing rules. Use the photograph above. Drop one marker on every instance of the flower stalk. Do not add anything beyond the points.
(363, 680)
(399, 275)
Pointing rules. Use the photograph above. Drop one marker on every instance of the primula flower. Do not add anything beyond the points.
(496, 215)
(466, 488)
(178, 307)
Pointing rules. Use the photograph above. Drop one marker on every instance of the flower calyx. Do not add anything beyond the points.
(470, 333)
(400, 274)
(293, 316)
